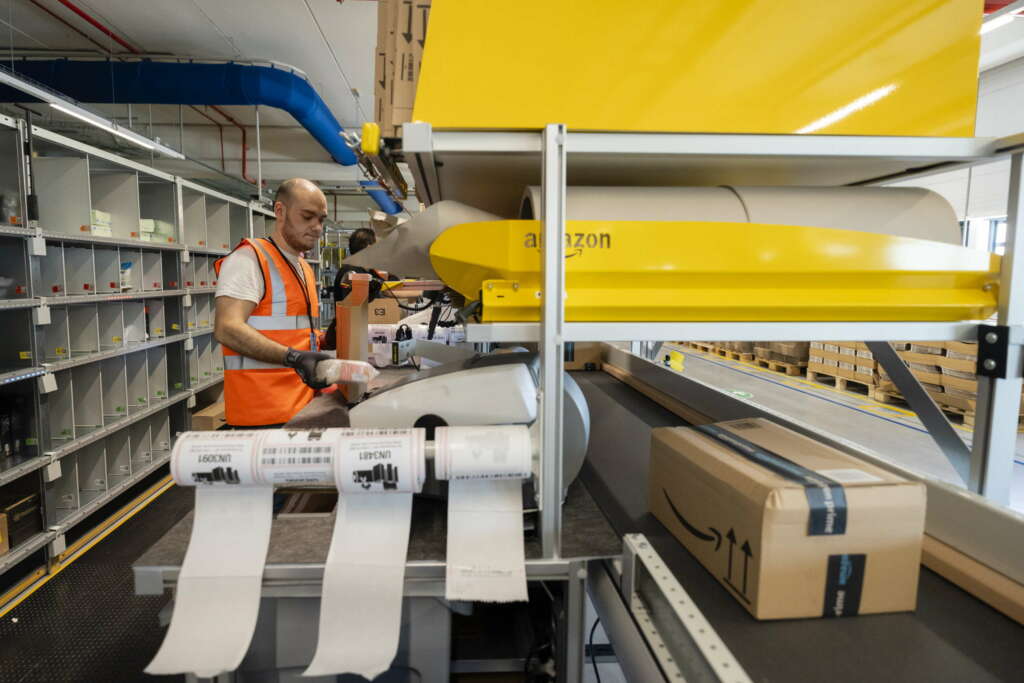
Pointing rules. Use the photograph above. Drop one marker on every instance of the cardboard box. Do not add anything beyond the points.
(962, 349)
(209, 418)
(930, 348)
(967, 385)
(790, 527)
(825, 365)
(583, 356)
(5, 543)
(383, 311)
(24, 518)
(948, 363)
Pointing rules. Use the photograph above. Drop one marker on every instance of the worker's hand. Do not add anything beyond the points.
(304, 363)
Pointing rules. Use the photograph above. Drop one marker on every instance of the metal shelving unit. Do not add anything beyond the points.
(105, 318)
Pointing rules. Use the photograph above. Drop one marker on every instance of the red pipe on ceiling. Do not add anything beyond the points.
(128, 46)
(240, 127)
(97, 25)
(219, 125)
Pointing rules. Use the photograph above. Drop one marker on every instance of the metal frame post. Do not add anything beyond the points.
(995, 426)
(551, 346)
(570, 668)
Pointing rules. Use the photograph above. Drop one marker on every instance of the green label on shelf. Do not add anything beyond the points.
(31, 441)
(205, 373)
(141, 399)
(177, 385)
(65, 432)
(194, 378)
(160, 392)
(119, 409)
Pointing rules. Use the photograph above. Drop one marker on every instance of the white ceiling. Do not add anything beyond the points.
(332, 42)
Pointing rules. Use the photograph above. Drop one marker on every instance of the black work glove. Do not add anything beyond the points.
(304, 363)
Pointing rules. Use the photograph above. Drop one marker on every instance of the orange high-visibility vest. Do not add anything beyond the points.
(258, 393)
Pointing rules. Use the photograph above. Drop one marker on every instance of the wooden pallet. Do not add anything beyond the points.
(734, 355)
(792, 369)
(850, 386)
(701, 346)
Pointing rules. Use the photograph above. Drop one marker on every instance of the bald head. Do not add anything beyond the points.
(300, 208)
(293, 187)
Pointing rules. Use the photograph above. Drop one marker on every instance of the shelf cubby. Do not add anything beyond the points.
(156, 318)
(115, 389)
(152, 271)
(111, 323)
(52, 280)
(87, 393)
(157, 202)
(62, 187)
(78, 270)
(194, 218)
(141, 445)
(218, 223)
(60, 408)
(92, 472)
(134, 322)
(157, 363)
(54, 337)
(239, 225)
(83, 328)
(108, 270)
(14, 279)
(160, 433)
(138, 380)
(117, 193)
(119, 457)
(62, 497)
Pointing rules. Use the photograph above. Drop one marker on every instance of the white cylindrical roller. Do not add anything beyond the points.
(901, 211)
(381, 460)
(583, 203)
(210, 458)
(491, 452)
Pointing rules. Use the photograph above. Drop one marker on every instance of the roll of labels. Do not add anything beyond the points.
(376, 472)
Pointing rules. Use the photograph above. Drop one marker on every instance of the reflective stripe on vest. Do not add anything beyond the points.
(281, 322)
(246, 363)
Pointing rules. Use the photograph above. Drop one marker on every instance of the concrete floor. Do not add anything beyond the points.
(889, 430)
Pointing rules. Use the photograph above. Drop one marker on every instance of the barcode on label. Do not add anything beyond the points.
(295, 460)
(295, 450)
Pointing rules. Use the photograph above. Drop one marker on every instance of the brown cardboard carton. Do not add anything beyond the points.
(5, 543)
(383, 311)
(964, 349)
(957, 364)
(209, 418)
(583, 356)
(790, 527)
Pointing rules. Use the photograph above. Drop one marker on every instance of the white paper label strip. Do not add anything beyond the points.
(218, 592)
(377, 472)
(484, 466)
(294, 458)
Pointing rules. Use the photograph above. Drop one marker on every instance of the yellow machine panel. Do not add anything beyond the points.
(870, 67)
(704, 271)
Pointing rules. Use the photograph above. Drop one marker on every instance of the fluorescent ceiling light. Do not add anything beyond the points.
(103, 124)
(997, 22)
(82, 114)
(851, 108)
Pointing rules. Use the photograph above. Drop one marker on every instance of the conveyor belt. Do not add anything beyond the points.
(951, 637)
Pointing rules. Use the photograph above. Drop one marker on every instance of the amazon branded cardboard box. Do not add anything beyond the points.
(790, 527)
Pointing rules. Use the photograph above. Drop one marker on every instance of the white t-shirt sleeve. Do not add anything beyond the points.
(241, 277)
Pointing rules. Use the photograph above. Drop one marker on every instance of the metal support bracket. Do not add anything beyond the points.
(934, 420)
(993, 350)
(677, 632)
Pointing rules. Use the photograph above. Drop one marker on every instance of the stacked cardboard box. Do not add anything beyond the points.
(401, 35)
(848, 360)
(790, 353)
(923, 359)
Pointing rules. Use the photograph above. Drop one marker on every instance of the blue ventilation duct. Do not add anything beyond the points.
(148, 82)
(384, 200)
